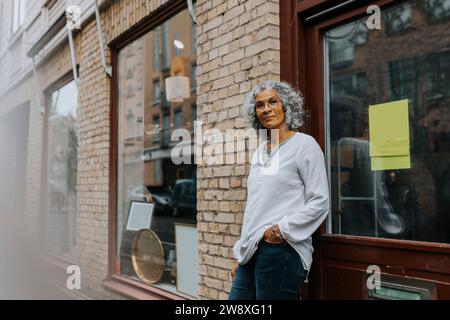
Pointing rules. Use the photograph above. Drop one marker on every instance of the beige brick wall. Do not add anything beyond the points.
(237, 47)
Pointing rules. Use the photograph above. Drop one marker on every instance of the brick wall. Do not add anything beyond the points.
(237, 47)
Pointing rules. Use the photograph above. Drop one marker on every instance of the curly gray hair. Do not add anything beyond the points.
(292, 104)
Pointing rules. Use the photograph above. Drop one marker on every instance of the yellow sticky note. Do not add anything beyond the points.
(390, 163)
(389, 135)
(389, 129)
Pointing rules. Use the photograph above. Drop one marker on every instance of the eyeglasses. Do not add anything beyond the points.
(261, 105)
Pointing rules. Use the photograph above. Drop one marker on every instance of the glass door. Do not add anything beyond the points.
(395, 219)
(408, 58)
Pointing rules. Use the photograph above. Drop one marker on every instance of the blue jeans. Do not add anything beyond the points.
(275, 272)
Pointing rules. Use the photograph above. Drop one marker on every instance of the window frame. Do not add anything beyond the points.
(115, 281)
(43, 225)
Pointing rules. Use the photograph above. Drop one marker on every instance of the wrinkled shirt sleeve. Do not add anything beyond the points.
(301, 224)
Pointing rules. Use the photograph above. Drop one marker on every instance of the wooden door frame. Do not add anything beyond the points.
(114, 280)
(302, 65)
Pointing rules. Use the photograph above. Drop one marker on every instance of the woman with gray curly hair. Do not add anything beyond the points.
(287, 199)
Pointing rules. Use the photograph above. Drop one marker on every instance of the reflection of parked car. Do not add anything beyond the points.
(161, 201)
(184, 198)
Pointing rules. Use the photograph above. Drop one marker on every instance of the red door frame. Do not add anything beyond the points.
(302, 65)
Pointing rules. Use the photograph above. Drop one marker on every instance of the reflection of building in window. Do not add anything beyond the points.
(156, 92)
(342, 54)
(398, 19)
(166, 46)
(395, 68)
(166, 130)
(156, 130)
(131, 125)
(402, 79)
(343, 40)
(354, 85)
(131, 90)
(194, 78)
(438, 75)
(165, 103)
(178, 119)
(426, 76)
(62, 151)
(178, 38)
(194, 39)
(436, 10)
(194, 113)
(156, 49)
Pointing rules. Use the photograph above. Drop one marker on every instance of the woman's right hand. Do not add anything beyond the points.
(234, 269)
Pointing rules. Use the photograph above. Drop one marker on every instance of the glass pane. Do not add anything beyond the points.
(146, 172)
(62, 149)
(366, 67)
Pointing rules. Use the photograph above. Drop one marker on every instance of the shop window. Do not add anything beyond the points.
(146, 173)
(61, 170)
(406, 204)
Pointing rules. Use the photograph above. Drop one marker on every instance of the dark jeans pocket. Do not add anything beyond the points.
(280, 272)
(294, 273)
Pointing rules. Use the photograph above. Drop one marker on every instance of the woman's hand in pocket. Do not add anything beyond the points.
(234, 269)
(269, 236)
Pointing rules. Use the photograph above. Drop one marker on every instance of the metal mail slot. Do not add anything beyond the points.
(402, 288)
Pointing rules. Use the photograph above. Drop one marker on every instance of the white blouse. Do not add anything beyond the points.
(289, 189)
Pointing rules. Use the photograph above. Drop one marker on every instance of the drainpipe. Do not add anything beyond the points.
(107, 68)
(191, 11)
(72, 21)
(72, 58)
